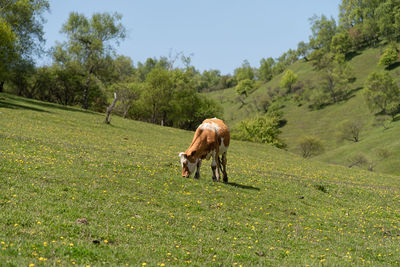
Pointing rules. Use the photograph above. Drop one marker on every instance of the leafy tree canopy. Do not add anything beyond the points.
(382, 93)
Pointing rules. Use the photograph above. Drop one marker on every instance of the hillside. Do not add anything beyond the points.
(74, 190)
(324, 123)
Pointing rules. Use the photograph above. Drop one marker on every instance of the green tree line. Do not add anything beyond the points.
(86, 68)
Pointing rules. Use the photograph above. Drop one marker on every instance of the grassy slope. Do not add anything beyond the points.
(325, 123)
(58, 165)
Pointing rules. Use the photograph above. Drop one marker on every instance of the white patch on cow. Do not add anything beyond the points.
(210, 126)
(183, 158)
(192, 166)
(214, 162)
(222, 147)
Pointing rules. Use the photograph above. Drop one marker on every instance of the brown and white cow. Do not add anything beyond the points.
(211, 139)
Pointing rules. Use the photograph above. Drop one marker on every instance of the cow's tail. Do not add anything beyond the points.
(219, 164)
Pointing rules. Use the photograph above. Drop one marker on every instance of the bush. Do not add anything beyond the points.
(318, 98)
(289, 78)
(383, 153)
(383, 121)
(360, 160)
(389, 56)
(350, 130)
(310, 146)
(263, 129)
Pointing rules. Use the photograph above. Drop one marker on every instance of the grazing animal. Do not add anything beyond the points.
(211, 139)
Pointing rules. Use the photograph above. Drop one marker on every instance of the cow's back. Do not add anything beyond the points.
(220, 128)
(212, 133)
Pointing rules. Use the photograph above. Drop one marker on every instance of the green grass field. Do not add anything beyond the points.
(74, 190)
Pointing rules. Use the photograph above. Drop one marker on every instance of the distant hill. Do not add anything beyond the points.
(324, 123)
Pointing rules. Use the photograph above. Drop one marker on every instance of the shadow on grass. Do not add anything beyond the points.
(4, 104)
(393, 66)
(349, 96)
(351, 55)
(54, 105)
(243, 186)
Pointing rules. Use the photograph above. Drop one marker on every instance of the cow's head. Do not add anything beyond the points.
(188, 163)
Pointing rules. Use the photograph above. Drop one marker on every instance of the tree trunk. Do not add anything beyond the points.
(1, 86)
(110, 109)
(85, 100)
(85, 92)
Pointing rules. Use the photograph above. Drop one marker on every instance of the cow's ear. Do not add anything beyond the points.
(182, 154)
(192, 153)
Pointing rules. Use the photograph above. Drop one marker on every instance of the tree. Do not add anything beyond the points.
(360, 160)
(245, 86)
(289, 78)
(127, 92)
(209, 80)
(22, 71)
(122, 70)
(26, 21)
(323, 30)
(353, 12)
(90, 44)
(264, 72)
(341, 43)
(43, 84)
(336, 80)
(350, 130)
(244, 72)
(7, 50)
(389, 56)
(387, 15)
(303, 50)
(288, 58)
(169, 97)
(21, 34)
(158, 95)
(382, 94)
(110, 108)
(143, 69)
(310, 146)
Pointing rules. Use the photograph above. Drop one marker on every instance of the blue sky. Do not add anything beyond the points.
(219, 34)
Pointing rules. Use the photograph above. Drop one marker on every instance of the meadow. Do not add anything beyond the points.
(76, 191)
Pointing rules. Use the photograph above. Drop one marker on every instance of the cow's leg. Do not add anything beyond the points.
(224, 161)
(215, 166)
(197, 174)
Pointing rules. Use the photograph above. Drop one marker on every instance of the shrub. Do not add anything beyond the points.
(350, 130)
(310, 146)
(383, 153)
(360, 160)
(289, 78)
(383, 121)
(263, 129)
(318, 98)
(389, 56)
